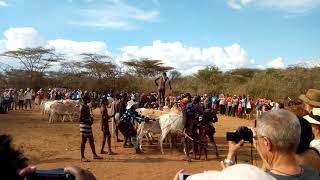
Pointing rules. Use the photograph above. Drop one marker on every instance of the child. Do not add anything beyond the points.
(85, 129)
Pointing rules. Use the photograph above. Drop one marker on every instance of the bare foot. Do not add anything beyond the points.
(111, 153)
(103, 152)
(84, 159)
(97, 157)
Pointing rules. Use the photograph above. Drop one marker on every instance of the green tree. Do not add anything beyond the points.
(34, 62)
(147, 67)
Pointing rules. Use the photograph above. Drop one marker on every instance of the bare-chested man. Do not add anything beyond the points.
(162, 88)
(117, 113)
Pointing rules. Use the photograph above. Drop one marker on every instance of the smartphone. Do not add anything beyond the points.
(54, 174)
(184, 176)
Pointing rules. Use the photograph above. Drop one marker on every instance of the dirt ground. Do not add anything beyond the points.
(57, 145)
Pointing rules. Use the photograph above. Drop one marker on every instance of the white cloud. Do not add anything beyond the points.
(277, 63)
(3, 3)
(115, 15)
(75, 48)
(22, 37)
(291, 6)
(189, 59)
(27, 37)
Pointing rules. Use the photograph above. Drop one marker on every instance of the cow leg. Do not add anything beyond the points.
(140, 138)
(70, 117)
(170, 141)
(187, 150)
(50, 118)
(162, 137)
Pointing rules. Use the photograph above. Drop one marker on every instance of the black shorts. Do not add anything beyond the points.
(248, 110)
(127, 129)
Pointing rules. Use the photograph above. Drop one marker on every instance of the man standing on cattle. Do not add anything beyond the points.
(126, 125)
(192, 112)
(162, 88)
(86, 122)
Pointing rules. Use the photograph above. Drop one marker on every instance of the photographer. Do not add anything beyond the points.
(14, 166)
(276, 138)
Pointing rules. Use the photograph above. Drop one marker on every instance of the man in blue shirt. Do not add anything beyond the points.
(126, 125)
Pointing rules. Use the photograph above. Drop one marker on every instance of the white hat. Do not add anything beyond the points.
(235, 172)
(130, 104)
(313, 117)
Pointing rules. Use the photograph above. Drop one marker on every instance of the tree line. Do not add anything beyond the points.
(45, 68)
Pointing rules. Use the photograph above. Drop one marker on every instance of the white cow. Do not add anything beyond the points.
(59, 109)
(46, 107)
(169, 123)
(145, 128)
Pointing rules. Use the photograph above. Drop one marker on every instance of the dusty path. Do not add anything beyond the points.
(58, 145)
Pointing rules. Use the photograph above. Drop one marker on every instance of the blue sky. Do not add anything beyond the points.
(188, 35)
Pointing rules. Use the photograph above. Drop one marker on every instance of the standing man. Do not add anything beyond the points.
(190, 118)
(28, 98)
(21, 99)
(117, 113)
(162, 88)
(126, 125)
(105, 127)
(86, 122)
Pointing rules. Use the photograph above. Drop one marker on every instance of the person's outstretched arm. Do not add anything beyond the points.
(169, 83)
(156, 81)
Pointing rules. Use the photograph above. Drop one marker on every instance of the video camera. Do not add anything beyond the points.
(242, 132)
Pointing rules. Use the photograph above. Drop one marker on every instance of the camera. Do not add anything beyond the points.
(184, 176)
(242, 132)
(55, 174)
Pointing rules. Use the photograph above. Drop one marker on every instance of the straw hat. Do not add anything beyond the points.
(312, 97)
(313, 117)
(130, 104)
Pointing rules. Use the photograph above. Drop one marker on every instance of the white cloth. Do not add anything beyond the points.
(28, 95)
(248, 105)
(235, 172)
(315, 144)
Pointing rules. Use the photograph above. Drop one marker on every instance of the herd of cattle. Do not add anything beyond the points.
(166, 122)
(61, 109)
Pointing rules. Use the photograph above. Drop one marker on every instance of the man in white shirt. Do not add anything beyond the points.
(314, 119)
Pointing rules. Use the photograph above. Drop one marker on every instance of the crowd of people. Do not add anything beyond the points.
(287, 142)
(12, 99)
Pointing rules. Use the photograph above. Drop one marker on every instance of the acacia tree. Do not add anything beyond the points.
(101, 68)
(34, 61)
(147, 67)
